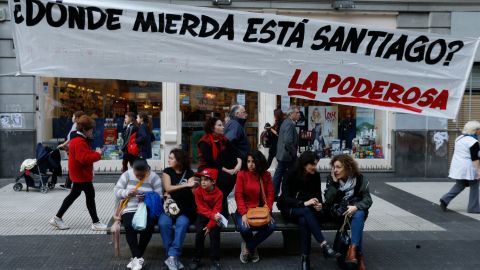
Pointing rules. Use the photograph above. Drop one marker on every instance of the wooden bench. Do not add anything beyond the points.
(289, 230)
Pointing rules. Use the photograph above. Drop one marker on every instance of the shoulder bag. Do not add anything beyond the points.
(117, 217)
(259, 216)
(170, 206)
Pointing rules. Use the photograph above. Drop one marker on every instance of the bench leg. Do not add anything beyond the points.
(291, 241)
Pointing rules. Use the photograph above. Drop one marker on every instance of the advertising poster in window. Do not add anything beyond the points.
(323, 122)
(365, 125)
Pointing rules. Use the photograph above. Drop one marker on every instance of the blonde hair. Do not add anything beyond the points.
(471, 127)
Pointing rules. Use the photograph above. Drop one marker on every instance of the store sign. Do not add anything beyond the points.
(370, 67)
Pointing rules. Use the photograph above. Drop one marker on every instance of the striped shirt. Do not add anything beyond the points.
(128, 181)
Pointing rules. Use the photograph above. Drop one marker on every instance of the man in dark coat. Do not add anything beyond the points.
(235, 130)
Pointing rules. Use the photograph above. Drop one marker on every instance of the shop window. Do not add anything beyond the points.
(107, 101)
(198, 103)
(329, 129)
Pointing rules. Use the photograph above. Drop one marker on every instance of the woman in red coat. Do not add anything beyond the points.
(248, 195)
(80, 166)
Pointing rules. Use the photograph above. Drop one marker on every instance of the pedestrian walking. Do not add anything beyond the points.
(134, 184)
(347, 193)
(144, 135)
(215, 151)
(465, 167)
(287, 146)
(301, 202)
(129, 127)
(254, 189)
(235, 130)
(64, 146)
(209, 206)
(178, 181)
(275, 129)
(80, 166)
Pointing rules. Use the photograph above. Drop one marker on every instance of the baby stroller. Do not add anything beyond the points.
(35, 171)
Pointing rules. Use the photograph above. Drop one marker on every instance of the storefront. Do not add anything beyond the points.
(330, 129)
(198, 103)
(107, 101)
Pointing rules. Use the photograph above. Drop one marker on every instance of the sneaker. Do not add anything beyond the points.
(171, 263)
(244, 255)
(443, 205)
(138, 265)
(216, 265)
(58, 223)
(179, 264)
(129, 265)
(255, 257)
(99, 226)
(194, 264)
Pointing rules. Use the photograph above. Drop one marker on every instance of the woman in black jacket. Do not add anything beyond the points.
(144, 135)
(347, 194)
(215, 151)
(301, 201)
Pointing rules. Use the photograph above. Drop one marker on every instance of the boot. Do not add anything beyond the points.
(305, 262)
(361, 263)
(351, 255)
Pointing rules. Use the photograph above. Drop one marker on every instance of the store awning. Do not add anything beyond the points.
(402, 71)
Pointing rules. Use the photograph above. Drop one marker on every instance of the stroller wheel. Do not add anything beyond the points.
(44, 189)
(17, 186)
(51, 185)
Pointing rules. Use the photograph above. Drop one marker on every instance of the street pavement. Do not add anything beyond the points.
(405, 230)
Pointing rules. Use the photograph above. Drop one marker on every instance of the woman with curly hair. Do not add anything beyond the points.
(348, 195)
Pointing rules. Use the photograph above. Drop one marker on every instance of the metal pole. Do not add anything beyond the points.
(470, 97)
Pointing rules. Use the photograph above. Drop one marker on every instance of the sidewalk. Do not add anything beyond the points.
(406, 229)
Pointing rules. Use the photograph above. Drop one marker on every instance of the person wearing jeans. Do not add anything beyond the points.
(301, 202)
(347, 186)
(249, 194)
(178, 181)
(173, 238)
(465, 168)
(287, 146)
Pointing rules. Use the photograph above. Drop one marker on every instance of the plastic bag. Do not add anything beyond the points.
(139, 222)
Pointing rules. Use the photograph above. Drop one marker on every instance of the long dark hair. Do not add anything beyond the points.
(259, 160)
(182, 158)
(302, 161)
(209, 125)
(147, 120)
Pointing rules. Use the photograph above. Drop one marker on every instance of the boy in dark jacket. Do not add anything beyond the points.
(209, 206)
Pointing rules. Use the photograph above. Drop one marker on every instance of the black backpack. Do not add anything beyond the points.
(266, 138)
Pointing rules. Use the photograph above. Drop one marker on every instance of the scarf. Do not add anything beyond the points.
(348, 187)
(210, 139)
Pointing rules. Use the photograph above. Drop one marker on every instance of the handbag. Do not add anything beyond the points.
(132, 147)
(342, 238)
(139, 221)
(259, 216)
(170, 206)
(117, 217)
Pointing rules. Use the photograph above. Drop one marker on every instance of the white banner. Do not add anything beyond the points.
(356, 65)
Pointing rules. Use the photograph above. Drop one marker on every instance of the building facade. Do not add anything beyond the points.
(38, 109)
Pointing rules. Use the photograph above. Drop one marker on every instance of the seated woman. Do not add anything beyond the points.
(178, 181)
(347, 186)
(248, 194)
(301, 202)
(126, 187)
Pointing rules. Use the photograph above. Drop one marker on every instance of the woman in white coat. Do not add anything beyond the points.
(465, 167)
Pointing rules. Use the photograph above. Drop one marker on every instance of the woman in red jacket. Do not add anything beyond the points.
(248, 195)
(80, 166)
